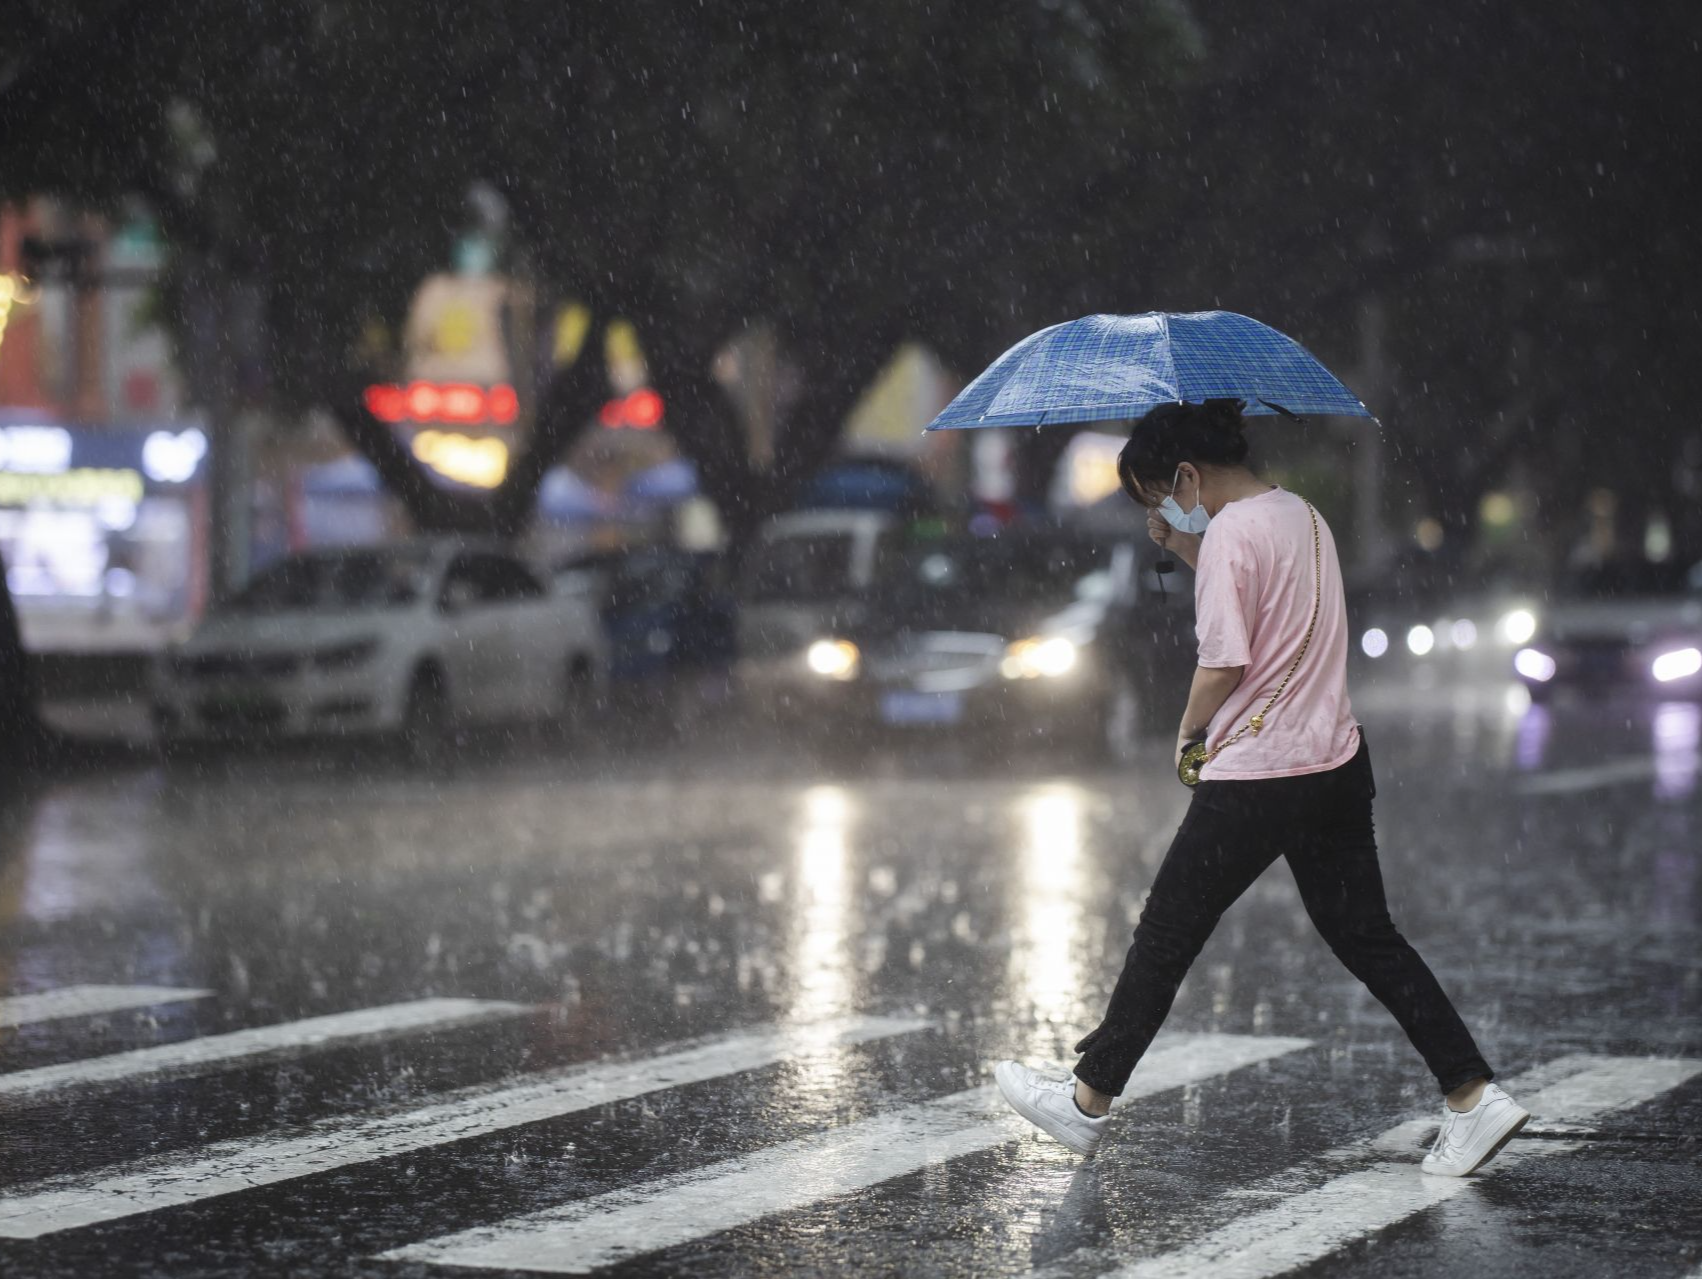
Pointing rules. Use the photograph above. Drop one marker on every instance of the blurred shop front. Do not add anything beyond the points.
(103, 504)
(101, 528)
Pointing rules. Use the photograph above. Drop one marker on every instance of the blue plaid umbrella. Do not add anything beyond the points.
(1107, 367)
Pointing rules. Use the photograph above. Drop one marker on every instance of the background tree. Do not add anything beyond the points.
(849, 179)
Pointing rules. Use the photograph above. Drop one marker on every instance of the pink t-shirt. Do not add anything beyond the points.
(1253, 593)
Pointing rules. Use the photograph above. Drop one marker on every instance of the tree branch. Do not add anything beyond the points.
(564, 411)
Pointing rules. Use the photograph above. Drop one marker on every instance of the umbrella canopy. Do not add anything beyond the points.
(1108, 367)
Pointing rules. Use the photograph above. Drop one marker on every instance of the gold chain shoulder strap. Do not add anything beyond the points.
(1258, 721)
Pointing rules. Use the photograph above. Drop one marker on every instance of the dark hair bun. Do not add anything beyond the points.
(1210, 434)
(1226, 415)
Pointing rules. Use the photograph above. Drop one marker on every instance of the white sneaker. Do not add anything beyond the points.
(1471, 1138)
(1049, 1103)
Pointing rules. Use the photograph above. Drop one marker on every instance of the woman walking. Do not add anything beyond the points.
(1286, 773)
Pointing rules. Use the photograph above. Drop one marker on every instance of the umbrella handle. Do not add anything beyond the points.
(1163, 567)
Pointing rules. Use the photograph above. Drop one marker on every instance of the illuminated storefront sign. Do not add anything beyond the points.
(96, 528)
(456, 330)
(453, 403)
(35, 450)
(36, 470)
(479, 463)
(82, 486)
(88, 468)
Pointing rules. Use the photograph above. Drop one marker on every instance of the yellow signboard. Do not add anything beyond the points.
(83, 486)
(479, 462)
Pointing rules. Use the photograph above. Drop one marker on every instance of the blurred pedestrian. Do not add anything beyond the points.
(1282, 770)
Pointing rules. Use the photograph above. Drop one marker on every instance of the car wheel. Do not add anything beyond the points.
(577, 699)
(427, 721)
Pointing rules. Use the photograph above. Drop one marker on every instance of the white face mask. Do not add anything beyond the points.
(1193, 521)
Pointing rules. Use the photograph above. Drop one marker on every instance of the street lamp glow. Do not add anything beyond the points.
(1420, 640)
(1375, 642)
(1464, 633)
(1679, 664)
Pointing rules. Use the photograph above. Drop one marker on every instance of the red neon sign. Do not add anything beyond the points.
(458, 403)
(640, 411)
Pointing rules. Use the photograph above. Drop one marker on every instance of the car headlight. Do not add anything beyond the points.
(1043, 657)
(1516, 627)
(1420, 640)
(1681, 663)
(1534, 664)
(834, 659)
(1375, 642)
(345, 657)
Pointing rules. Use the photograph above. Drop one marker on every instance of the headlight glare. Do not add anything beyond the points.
(1534, 664)
(1420, 640)
(1681, 663)
(1042, 657)
(1517, 627)
(833, 659)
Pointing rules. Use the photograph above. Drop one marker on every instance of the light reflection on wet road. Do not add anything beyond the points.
(1545, 861)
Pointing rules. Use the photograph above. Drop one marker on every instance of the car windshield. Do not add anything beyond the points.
(972, 576)
(650, 577)
(336, 582)
(1624, 579)
(813, 566)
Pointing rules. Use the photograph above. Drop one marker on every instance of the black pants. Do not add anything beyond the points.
(1321, 823)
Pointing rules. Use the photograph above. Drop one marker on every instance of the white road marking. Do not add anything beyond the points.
(215, 1052)
(1313, 1223)
(1614, 772)
(84, 1001)
(222, 1168)
(580, 1236)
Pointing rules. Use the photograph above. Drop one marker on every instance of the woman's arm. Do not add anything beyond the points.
(1211, 689)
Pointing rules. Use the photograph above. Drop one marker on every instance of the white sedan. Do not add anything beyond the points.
(412, 636)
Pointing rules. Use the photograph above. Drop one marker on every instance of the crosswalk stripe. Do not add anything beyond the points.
(580, 1236)
(214, 1052)
(1309, 1225)
(222, 1168)
(84, 1001)
(1614, 772)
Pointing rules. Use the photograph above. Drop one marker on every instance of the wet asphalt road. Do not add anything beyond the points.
(736, 1001)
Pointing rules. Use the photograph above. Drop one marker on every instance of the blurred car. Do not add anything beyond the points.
(413, 636)
(1622, 626)
(805, 574)
(1025, 632)
(663, 609)
(1418, 608)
